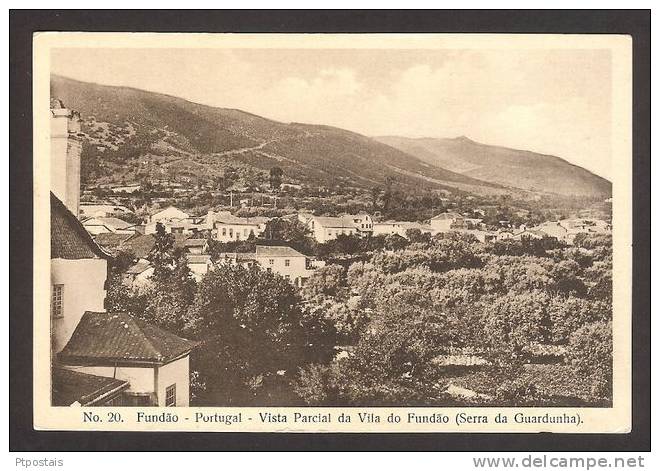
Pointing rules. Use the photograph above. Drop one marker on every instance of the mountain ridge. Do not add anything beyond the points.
(132, 134)
(519, 168)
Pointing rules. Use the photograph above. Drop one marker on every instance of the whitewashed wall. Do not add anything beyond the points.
(83, 290)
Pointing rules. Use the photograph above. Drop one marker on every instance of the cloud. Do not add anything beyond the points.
(298, 99)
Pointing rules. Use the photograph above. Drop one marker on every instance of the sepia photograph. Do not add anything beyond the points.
(325, 224)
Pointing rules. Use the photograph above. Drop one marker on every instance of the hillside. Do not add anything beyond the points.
(133, 135)
(509, 167)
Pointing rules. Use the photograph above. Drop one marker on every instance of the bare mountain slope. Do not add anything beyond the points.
(509, 167)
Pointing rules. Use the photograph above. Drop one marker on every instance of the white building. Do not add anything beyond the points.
(400, 228)
(226, 227)
(189, 227)
(196, 246)
(555, 229)
(529, 234)
(444, 222)
(566, 229)
(153, 362)
(199, 264)
(283, 260)
(168, 214)
(326, 228)
(389, 228)
(363, 222)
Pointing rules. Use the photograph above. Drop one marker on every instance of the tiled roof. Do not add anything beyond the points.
(170, 210)
(114, 222)
(360, 215)
(531, 232)
(195, 242)
(108, 208)
(446, 216)
(416, 225)
(198, 258)
(142, 244)
(68, 237)
(389, 222)
(139, 267)
(341, 222)
(225, 218)
(276, 251)
(236, 256)
(72, 386)
(111, 240)
(118, 337)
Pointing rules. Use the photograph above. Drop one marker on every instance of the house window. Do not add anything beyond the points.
(170, 396)
(224, 231)
(287, 262)
(56, 301)
(288, 277)
(271, 261)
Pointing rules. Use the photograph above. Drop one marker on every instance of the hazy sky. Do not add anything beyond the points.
(553, 101)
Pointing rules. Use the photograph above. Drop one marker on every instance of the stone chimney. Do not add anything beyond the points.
(65, 149)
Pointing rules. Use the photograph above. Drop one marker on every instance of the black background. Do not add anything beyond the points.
(23, 23)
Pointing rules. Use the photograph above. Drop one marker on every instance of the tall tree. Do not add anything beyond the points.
(252, 325)
(162, 254)
(276, 174)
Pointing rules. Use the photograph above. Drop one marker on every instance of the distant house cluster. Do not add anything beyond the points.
(282, 260)
(114, 233)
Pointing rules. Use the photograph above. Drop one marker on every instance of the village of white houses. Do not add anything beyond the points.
(204, 255)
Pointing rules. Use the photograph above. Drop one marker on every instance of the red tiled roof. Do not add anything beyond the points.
(73, 386)
(119, 338)
(68, 237)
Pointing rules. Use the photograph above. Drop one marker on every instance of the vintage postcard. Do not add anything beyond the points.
(332, 233)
